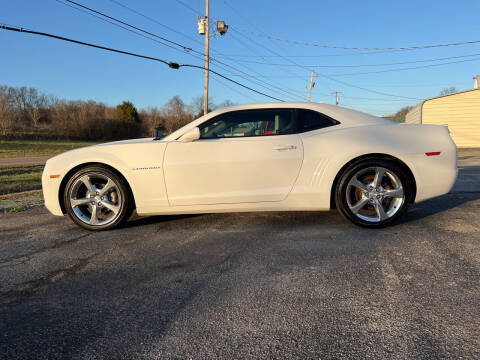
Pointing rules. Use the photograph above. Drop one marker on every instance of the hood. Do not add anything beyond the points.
(125, 142)
(88, 149)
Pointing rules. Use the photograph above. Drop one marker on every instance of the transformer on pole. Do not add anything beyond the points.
(204, 29)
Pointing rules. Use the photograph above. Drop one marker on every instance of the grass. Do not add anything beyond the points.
(20, 202)
(399, 119)
(21, 148)
(21, 178)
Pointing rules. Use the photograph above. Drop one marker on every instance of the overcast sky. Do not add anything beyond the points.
(277, 68)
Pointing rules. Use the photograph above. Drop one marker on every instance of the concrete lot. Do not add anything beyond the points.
(266, 285)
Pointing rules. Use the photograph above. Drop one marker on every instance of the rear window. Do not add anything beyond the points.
(309, 120)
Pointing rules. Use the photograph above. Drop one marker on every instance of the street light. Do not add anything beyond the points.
(222, 27)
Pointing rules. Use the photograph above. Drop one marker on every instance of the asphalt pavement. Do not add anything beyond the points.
(24, 161)
(250, 285)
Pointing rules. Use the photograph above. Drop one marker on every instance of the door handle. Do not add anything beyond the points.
(284, 147)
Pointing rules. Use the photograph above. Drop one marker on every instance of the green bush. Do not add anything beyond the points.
(127, 112)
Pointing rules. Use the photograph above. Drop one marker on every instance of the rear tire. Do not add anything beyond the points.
(374, 193)
(96, 198)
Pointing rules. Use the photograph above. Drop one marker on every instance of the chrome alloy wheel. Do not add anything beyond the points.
(374, 194)
(95, 199)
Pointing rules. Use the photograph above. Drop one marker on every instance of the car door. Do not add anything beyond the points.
(241, 156)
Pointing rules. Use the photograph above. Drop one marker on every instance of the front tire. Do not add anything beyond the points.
(373, 193)
(97, 198)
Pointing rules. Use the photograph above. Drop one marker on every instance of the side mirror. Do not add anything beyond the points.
(191, 135)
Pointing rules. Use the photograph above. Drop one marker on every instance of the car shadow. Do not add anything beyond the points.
(416, 212)
(438, 205)
(466, 189)
(157, 219)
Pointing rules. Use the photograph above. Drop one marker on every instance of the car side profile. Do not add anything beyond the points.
(260, 157)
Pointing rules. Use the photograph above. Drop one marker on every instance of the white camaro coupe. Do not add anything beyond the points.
(263, 157)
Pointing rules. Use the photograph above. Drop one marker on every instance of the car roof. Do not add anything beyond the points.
(347, 117)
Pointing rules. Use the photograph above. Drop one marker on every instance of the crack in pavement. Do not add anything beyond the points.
(29, 288)
(28, 256)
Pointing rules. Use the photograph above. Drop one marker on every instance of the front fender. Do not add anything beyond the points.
(139, 164)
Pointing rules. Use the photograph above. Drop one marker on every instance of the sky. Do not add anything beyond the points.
(364, 79)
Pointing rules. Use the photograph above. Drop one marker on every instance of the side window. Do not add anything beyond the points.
(249, 123)
(311, 120)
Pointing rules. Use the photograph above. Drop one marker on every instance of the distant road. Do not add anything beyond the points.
(24, 161)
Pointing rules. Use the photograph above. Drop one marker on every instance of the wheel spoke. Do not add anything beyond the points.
(110, 184)
(359, 205)
(379, 173)
(395, 193)
(382, 215)
(111, 206)
(86, 181)
(357, 183)
(94, 216)
(96, 199)
(78, 202)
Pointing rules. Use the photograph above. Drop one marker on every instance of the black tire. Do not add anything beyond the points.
(123, 205)
(345, 191)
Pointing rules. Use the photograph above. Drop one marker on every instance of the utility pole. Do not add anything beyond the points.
(204, 29)
(312, 84)
(207, 57)
(336, 96)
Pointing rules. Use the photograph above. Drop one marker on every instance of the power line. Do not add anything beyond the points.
(273, 52)
(5, 27)
(172, 65)
(132, 26)
(189, 7)
(251, 23)
(118, 25)
(361, 65)
(94, 12)
(336, 80)
(231, 80)
(233, 89)
(369, 90)
(382, 71)
(295, 42)
(290, 91)
(408, 68)
(316, 56)
(370, 99)
(246, 76)
(271, 84)
(325, 76)
(154, 21)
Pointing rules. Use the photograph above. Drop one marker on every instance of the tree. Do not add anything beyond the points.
(226, 103)
(127, 112)
(448, 91)
(29, 102)
(197, 106)
(6, 115)
(151, 119)
(36, 103)
(175, 114)
(399, 116)
(403, 111)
